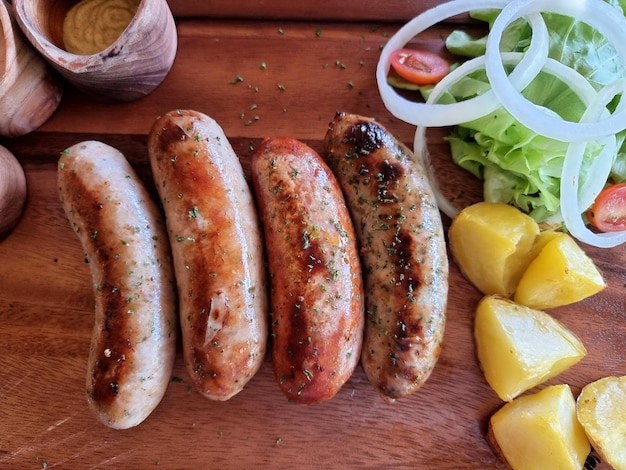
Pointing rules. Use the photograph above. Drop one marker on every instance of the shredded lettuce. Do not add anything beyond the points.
(517, 165)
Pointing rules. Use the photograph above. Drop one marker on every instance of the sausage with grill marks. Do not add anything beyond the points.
(403, 252)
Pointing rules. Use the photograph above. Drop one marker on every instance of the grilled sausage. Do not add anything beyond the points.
(122, 233)
(316, 287)
(217, 249)
(402, 248)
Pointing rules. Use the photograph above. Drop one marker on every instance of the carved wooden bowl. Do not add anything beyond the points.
(29, 90)
(12, 192)
(128, 69)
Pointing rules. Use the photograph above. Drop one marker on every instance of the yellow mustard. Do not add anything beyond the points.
(91, 26)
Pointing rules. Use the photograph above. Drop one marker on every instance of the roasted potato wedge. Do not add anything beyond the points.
(540, 432)
(561, 274)
(491, 242)
(601, 408)
(519, 348)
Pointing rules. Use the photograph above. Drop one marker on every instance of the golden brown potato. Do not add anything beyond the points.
(540, 432)
(519, 348)
(601, 408)
(490, 243)
(561, 274)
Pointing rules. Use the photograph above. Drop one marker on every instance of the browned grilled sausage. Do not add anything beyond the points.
(315, 277)
(405, 266)
(123, 235)
(217, 249)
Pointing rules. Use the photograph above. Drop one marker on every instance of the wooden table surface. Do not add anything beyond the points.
(319, 58)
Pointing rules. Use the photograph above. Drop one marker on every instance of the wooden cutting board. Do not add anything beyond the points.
(257, 78)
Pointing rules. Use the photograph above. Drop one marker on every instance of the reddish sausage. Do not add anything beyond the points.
(316, 288)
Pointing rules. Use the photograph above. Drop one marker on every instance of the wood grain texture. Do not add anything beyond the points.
(46, 298)
(330, 10)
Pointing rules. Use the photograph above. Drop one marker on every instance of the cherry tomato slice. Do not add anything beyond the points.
(418, 66)
(608, 213)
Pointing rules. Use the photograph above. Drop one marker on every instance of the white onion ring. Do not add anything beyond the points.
(570, 207)
(599, 15)
(601, 170)
(427, 114)
(573, 79)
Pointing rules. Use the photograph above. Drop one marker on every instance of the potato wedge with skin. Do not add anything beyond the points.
(519, 348)
(561, 274)
(490, 243)
(540, 431)
(601, 408)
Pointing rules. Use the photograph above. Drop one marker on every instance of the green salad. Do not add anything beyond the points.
(518, 165)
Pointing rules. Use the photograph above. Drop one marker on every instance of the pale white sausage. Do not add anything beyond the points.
(122, 233)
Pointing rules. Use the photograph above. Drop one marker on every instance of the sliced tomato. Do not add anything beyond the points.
(608, 213)
(418, 66)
